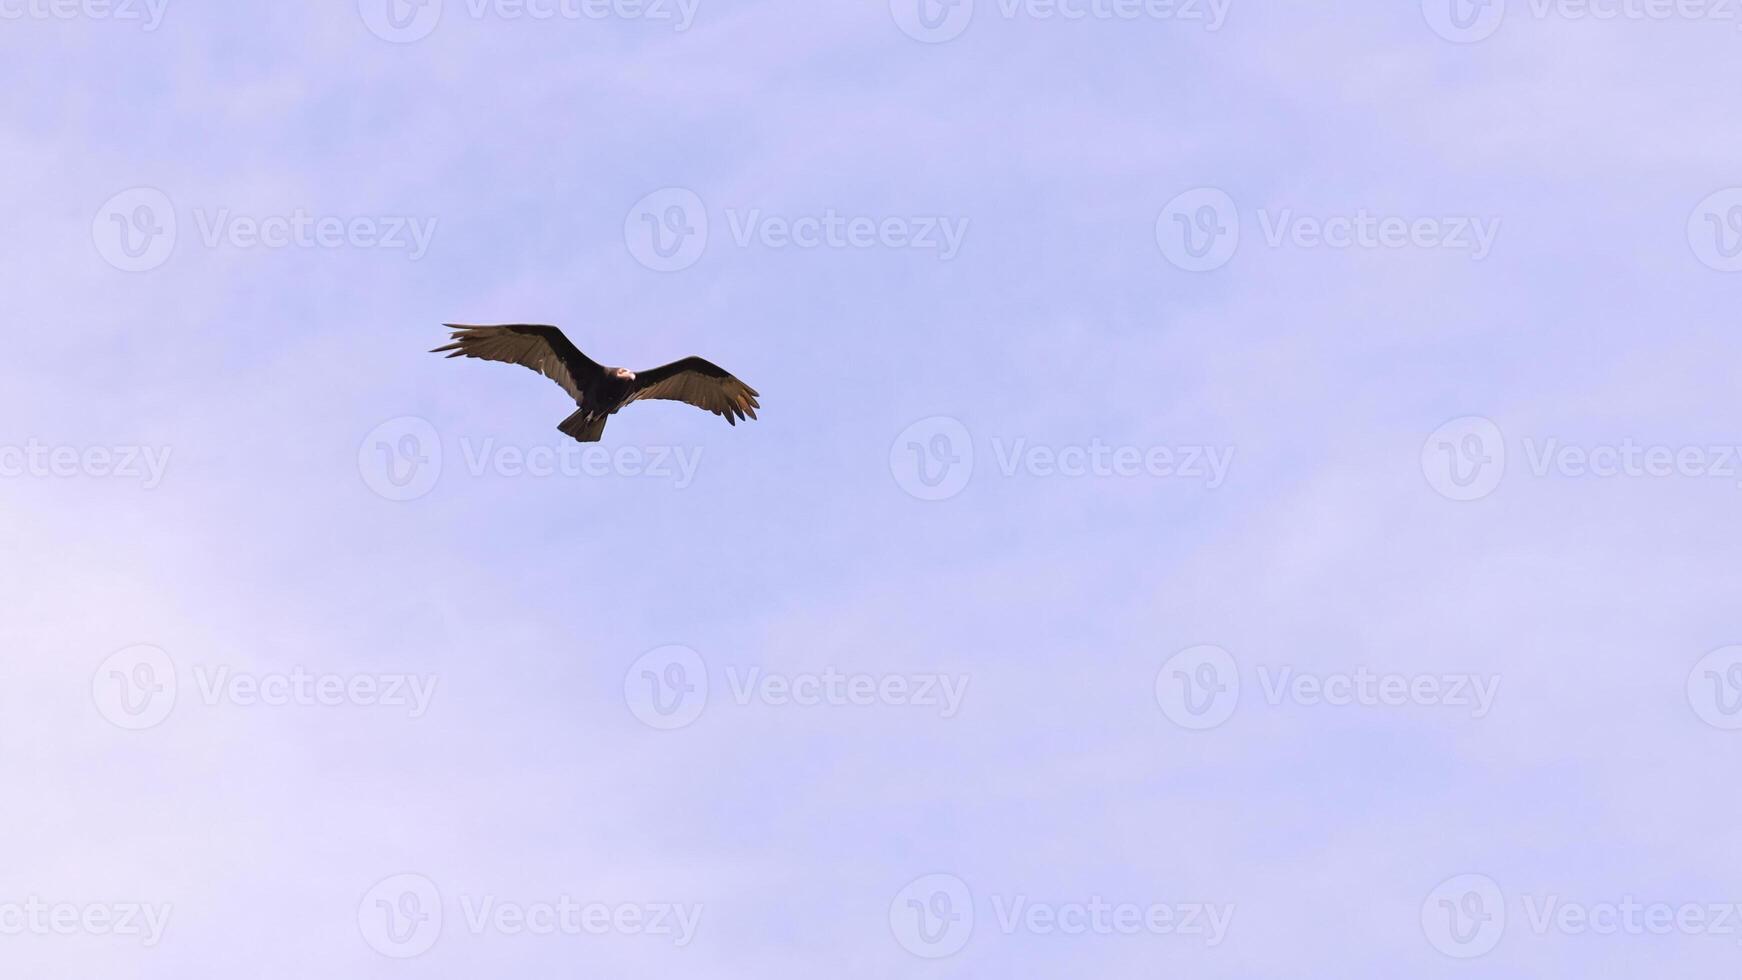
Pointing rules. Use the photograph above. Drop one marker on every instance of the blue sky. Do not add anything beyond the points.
(1090, 578)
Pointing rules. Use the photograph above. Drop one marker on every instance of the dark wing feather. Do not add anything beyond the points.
(541, 348)
(700, 383)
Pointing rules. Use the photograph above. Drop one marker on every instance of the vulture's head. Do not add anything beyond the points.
(623, 374)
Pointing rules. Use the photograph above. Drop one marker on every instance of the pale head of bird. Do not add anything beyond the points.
(623, 374)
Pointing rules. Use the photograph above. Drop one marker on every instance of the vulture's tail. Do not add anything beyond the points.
(583, 426)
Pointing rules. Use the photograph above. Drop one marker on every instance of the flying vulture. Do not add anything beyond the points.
(600, 391)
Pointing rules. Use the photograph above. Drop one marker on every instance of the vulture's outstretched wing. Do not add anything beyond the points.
(541, 348)
(700, 383)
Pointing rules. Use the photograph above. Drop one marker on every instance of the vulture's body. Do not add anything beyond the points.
(599, 391)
